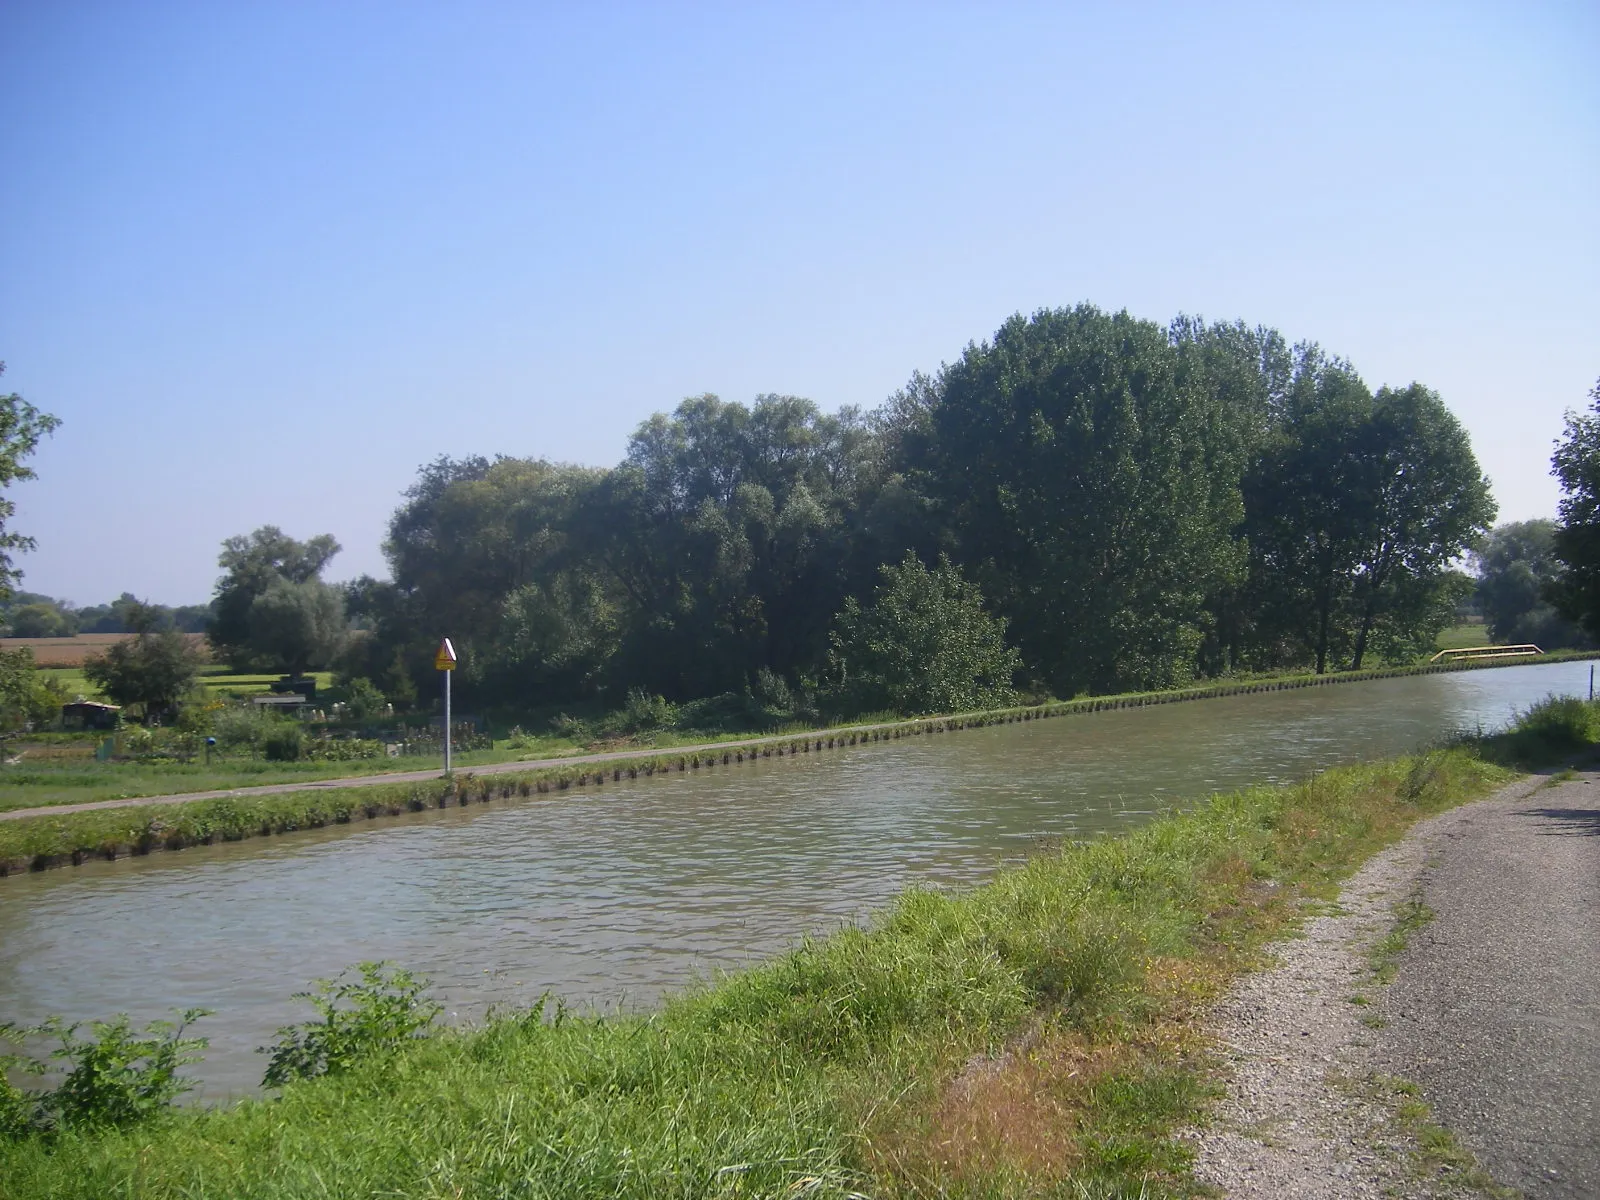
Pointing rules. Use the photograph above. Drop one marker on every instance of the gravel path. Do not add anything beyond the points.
(1493, 1014)
(1496, 1008)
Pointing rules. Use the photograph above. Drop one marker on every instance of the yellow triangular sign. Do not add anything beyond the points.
(445, 658)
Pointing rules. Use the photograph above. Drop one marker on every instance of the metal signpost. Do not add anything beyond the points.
(445, 660)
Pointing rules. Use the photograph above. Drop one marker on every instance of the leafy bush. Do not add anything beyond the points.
(284, 744)
(244, 727)
(1555, 725)
(572, 728)
(731, 712)
(924, 645)
(27, 698)
(328, 749)
(363, 700)
(198, 713)
(518, 738)
(18, 1109)
(361, 1019)
(117, 1078)
(644, 713)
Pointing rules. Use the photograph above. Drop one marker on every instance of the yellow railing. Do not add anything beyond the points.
(1487, 652)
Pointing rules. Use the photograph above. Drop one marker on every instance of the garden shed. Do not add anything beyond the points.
(90, 714)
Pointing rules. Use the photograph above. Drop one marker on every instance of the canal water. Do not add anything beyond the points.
(608, 897)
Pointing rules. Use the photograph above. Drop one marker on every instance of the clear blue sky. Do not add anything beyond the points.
(266, 259)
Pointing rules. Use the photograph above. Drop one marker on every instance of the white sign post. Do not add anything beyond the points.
(445, 660)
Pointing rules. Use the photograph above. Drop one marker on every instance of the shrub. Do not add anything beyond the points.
(924, 645)
(284, 744)
(328, 749)
(244, 727)
(118, 1077)
(644, 713)
(574, 729)
(361, 1019)
(1555, 725)
(363, 700)
(735, 712)
(27, 698)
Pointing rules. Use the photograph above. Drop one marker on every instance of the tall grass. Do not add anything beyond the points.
(1034, 1036)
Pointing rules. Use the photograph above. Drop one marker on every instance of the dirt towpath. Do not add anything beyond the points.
(1493, 1020)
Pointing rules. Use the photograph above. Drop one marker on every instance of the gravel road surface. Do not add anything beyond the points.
(1496, 1007)
(1494, 1013)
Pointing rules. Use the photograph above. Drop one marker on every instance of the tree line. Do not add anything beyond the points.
(36, 615)
(1128, 505)
(1085, 502)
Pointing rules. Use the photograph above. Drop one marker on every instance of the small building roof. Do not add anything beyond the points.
(292, 700)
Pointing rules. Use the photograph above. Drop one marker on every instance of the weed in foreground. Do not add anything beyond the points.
(1410, 915)
(117, 1077)
(362, 1019)
(1437, 1153)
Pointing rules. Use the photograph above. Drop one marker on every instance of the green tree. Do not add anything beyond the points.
(1517, 573)
(41, 620)
(1088, 477)
(296, 626)
(1356, 511)
(1576, 463)
(1424, 502)
(27, 699)
(153, 669)
(925, 644)
(253, 565)
(113, 617)
(726, 535)
(21, 427)
(485, 553)
(1246, 371)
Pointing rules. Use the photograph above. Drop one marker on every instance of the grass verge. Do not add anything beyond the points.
(1037, 1036)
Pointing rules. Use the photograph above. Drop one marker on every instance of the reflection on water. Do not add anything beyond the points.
(609, 897)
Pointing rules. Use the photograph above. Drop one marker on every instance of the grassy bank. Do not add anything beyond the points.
(68, 839)
(1035, 1036)
(83, 780)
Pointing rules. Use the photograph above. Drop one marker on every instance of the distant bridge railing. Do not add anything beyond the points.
(1486, 652)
